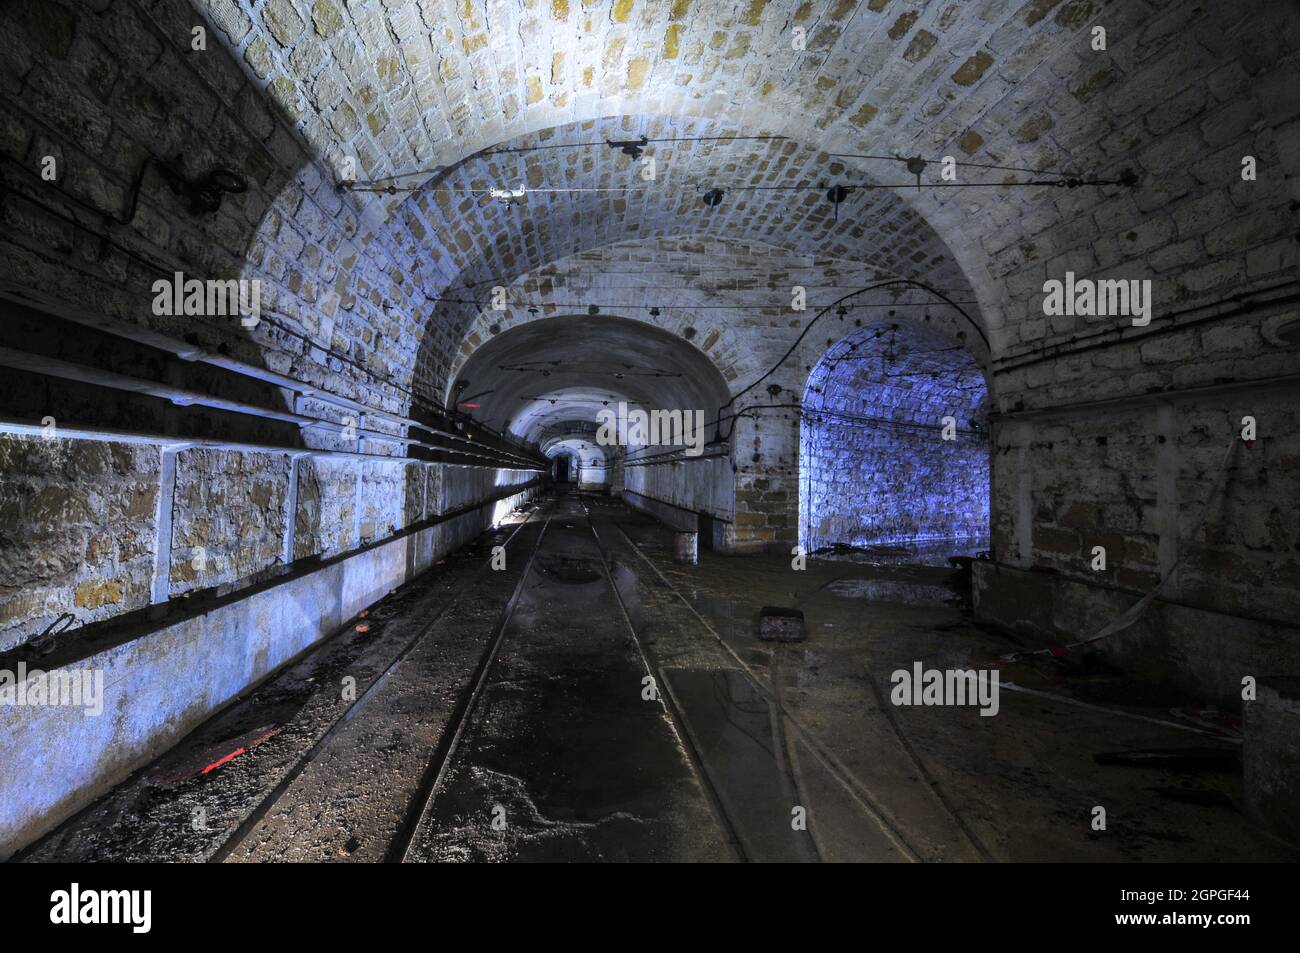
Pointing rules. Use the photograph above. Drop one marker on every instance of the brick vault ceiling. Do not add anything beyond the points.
(405, 86)
(410, 85)
(900, 370)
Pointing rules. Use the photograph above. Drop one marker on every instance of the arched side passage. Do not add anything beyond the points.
(894, 447)
(579, 461)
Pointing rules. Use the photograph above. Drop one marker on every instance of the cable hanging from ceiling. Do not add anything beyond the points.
(813, 322)
(918, 164)
(629, 370)
(713, 195)
(629, 306)
(629, 147)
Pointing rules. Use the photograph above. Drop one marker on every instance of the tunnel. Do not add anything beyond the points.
(650, 431)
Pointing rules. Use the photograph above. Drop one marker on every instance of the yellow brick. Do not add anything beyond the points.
(672, 43)
(637, 71)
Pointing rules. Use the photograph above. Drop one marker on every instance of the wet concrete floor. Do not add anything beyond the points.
(594, 701)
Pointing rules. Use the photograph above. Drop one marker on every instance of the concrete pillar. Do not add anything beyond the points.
(160, 591)
(686, 548)
(291, 510)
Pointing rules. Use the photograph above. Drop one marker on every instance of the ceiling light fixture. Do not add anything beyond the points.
(510, 197)
(629, 147)
(835, 195)
(712, 198)
(916, 165)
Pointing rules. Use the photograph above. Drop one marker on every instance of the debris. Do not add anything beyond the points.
(1209, 717)
(222, 760)
(208, 759)
(778, 624)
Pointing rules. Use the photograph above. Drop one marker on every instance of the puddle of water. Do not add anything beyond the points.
(569, 569)
(891, 590)
(902, 554)
(732, 727)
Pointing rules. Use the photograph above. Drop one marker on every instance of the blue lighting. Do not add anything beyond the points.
(875, 468)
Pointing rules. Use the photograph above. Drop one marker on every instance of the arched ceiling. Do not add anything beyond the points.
(410, 85)
(586, 452)
(901, 371)
(581, 193)
(585, 198)
(407, 84)
(549, 379)
(418, 88)
(730, 298)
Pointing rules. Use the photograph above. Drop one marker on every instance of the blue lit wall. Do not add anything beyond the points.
(874, 467)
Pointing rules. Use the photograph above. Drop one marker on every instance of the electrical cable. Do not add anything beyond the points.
(685, 307)
(820, 314)
(158, 268)
(1134, 612)
(1071, 183)
(1125, 177)
(361, 185)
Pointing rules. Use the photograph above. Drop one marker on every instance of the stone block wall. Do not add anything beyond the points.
(692, 485)
(81, 531)
(1147, 483)
(765, 448)
(77, 530)
(112, 91)
(326, 518)
(104, 87)
(227, 517)
(894, 440)
(879, 485)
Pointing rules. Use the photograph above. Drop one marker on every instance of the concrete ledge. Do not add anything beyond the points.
(1203, 652)
(677, 518)
(54, 760)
